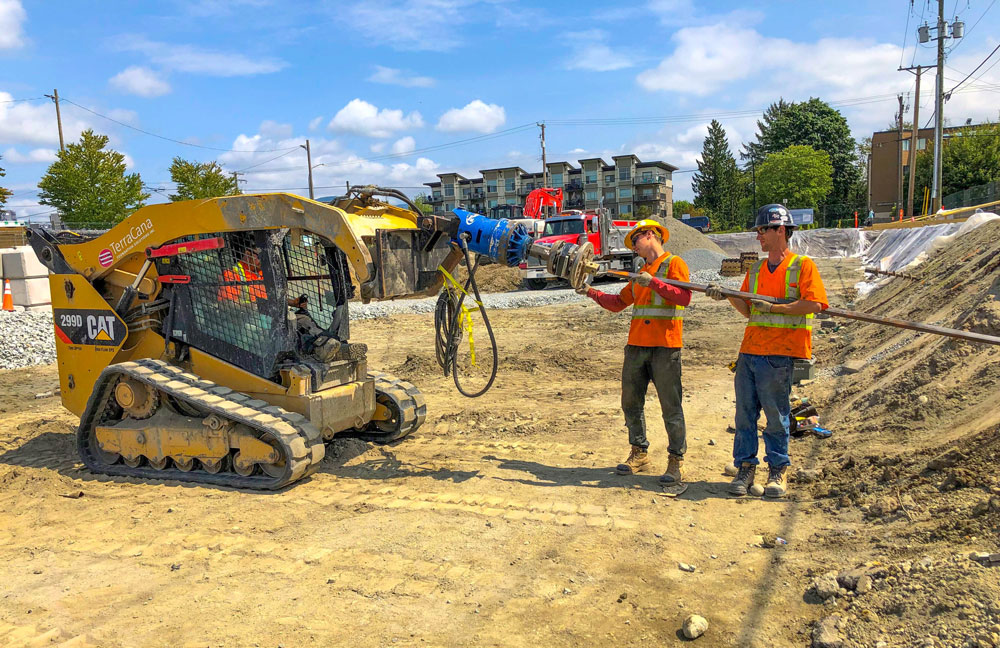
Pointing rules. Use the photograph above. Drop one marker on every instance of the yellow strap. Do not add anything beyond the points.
(465, 318)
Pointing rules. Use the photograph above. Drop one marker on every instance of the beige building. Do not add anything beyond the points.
(627, 187)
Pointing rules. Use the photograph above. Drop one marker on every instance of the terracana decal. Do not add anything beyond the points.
(133, 237)
(91, 327)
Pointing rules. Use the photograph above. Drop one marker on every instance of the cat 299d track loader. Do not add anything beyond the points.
(186, 347)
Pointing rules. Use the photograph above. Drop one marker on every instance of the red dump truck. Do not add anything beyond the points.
(605, 233)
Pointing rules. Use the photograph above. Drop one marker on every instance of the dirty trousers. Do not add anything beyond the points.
(662, 365)
(762, 383)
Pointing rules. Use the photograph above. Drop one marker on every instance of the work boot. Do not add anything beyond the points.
(673, 474)
(637, 461)
(777, 484)
(744, 479)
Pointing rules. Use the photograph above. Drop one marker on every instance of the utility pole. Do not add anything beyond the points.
(309, 163)
(914, 140)
(899, 154)
(55, 98)
(236, 181)
(939, 109)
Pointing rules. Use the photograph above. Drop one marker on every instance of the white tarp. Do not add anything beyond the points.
(817, 243)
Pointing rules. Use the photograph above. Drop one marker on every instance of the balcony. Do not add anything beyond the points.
(574, 184)
(573, 204)
(523, 191)
(478, 193)
(650, 196)
(651, 180)
(436, 198)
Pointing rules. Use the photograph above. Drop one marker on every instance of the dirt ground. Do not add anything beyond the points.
(501, 522)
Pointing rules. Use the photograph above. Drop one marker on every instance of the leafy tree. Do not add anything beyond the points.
(685, 207)
(421, 201)
(644, 211)
(4, 192)
(718, 183)
(201, 180)
(800, 174)
(811, 123)
(87, 184)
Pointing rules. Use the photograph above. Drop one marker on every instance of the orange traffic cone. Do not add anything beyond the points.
(8, 298)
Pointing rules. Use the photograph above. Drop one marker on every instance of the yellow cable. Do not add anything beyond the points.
(465, 319)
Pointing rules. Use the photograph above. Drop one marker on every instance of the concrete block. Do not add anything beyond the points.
(803, 370)
(853, 366)
(23, 264)
(30, 292)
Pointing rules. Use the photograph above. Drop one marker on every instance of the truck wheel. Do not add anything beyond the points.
(535, 284)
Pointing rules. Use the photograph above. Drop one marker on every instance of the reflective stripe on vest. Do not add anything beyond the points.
(780, 320)
(658, 307)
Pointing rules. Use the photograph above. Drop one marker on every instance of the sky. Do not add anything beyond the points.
(395, 92)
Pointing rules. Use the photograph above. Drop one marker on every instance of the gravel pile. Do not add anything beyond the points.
(519, 299)
(26, 338)
(698, 259)
(712, 276)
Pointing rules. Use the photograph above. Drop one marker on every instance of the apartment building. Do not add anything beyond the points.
(627, 187)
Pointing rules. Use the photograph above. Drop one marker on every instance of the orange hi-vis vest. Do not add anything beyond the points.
(242, 294)
(657, 322)
(778, 333)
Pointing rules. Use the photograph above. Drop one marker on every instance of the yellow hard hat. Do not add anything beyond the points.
(644, 225)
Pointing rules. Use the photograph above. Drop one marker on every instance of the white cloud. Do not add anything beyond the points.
(578, 150)
(32, 123)
(404, 145)
(339, 165)
(275, 130)
(140, 81)
(14, 156)
(476, 116)
(392, 76)
(315, 123)
(589, 51)
(12, 15)
(197, 60)
(362, 118)
(377, 147)
(420, 25)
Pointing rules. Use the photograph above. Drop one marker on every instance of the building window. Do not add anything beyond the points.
(591, 195)
(624, 174)
(625, 209)
(491, 186)
(509, 185)
(609, 195)
(624, 193)
(557, 179)
(921, 143)
(449, 191)
(647, 176)
(492, 203)
(609, 178)
(906, 145)
(466, 193)
(512, 201)
(591, 177)
(437, 195)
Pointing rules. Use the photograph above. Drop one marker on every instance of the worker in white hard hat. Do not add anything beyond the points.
(775, 335)
(653, 352)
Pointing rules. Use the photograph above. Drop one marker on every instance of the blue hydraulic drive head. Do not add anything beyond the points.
(498, 239)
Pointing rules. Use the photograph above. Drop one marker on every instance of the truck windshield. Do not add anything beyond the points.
(556, 228)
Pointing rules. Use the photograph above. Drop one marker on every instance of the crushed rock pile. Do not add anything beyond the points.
(26, 338)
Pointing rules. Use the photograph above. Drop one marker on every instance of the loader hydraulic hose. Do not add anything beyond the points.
(448, 331)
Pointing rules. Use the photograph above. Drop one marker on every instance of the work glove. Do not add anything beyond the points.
(761, 305)
(644, 279)
(583, 290)
(715, 292)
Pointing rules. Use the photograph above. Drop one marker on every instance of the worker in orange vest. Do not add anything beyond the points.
(776, 334)
(247, 272)
(653, 352)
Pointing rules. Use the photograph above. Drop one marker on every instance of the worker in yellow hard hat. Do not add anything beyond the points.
(653, 352)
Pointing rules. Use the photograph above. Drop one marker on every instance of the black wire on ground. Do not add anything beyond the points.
(448, 332)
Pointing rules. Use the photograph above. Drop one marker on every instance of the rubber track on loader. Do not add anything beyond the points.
(401, 397)
(300, 443)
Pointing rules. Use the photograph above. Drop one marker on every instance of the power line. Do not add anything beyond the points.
(906, 33)
(9, 101)
(948, 94)
(271, 160)
(969, 30)
(169, 139)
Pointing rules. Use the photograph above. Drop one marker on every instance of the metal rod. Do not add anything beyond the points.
(889, 273)
(837, 312)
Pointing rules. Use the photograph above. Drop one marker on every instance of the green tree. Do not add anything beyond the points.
(800, 174)
(4, 192)
(421, 201)
(88, 184)
(970, 157)
(201, 180)
(811, 123)
(685, 207)
(718, 184)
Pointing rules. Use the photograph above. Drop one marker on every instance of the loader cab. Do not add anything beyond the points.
(233, 301)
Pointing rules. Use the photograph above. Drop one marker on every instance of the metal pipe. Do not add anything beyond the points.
(969, 336)
(890, 273)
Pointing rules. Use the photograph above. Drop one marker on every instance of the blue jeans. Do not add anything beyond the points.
(762, 382)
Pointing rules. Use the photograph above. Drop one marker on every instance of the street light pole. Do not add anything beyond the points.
(309, 163)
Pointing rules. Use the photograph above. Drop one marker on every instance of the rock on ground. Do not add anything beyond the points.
(694, 626)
